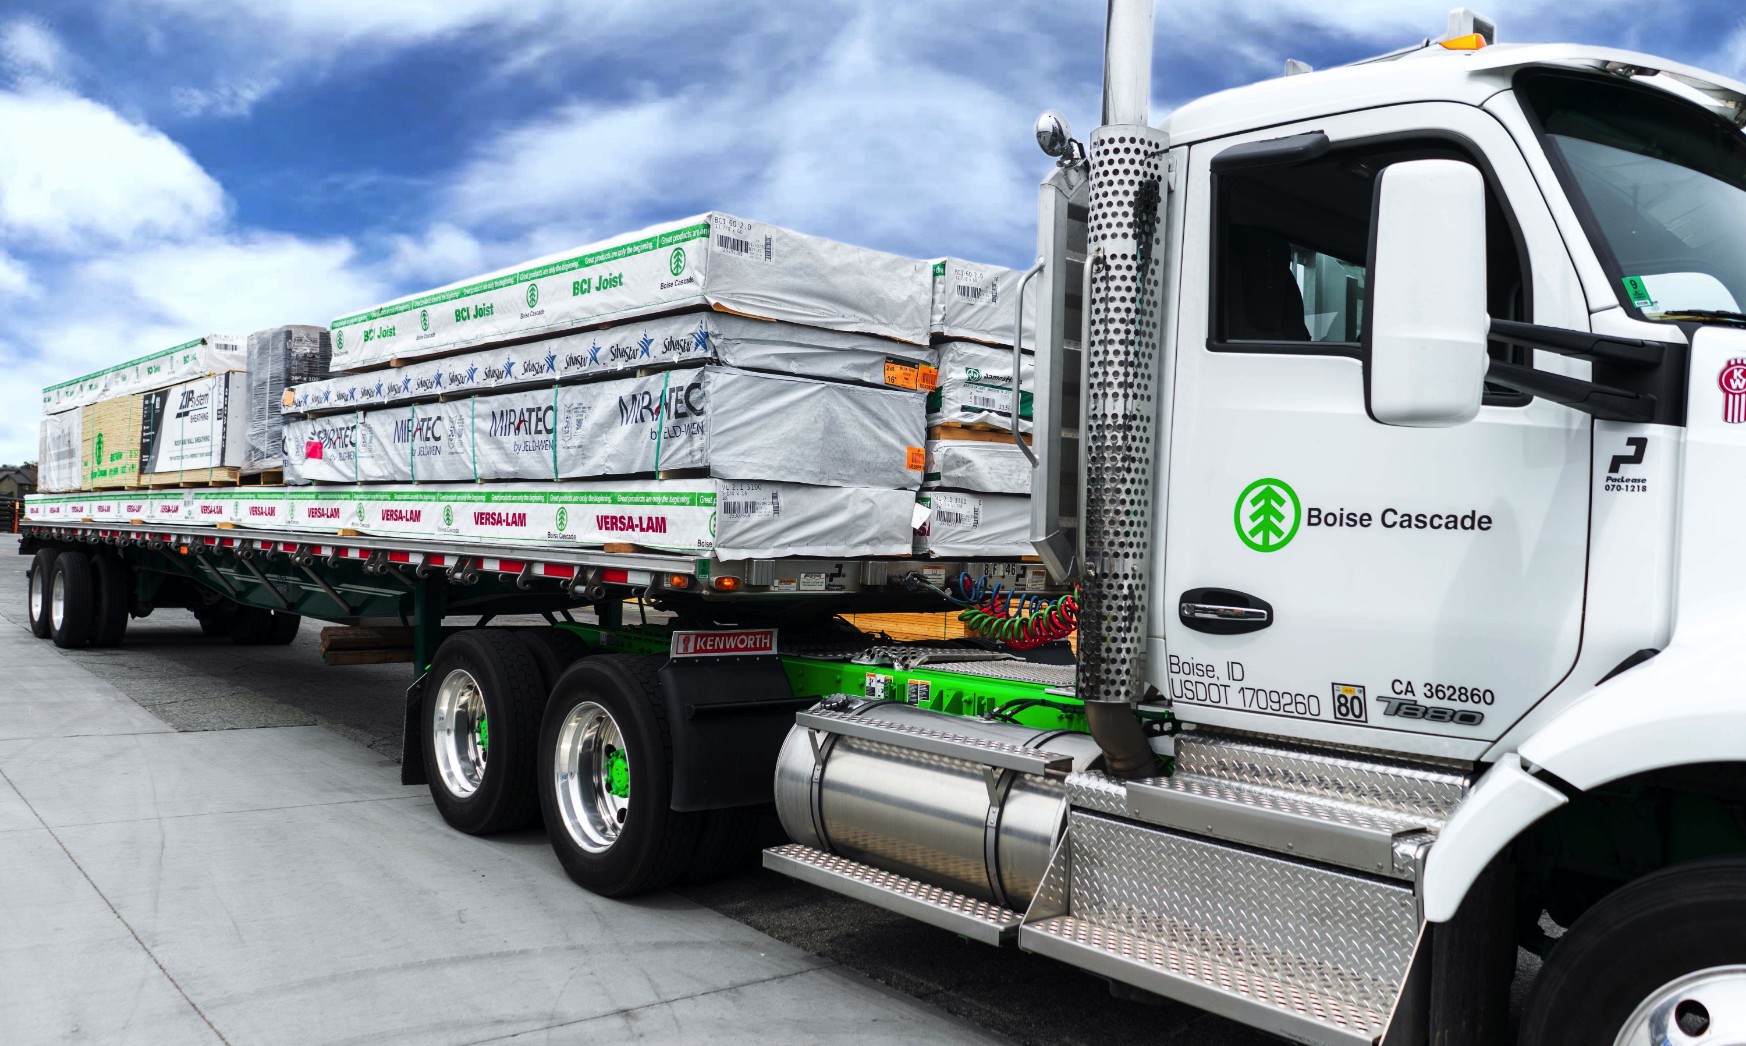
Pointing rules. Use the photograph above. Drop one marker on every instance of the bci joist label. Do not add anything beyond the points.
(713, 259)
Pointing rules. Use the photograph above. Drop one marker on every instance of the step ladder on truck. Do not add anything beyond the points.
(1387, 420)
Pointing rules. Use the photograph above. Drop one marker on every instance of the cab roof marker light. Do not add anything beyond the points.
(1470, 42)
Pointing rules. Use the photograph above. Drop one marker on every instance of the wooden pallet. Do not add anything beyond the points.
(923, 627)
(266, 478)
(978, 433)
(225, 476)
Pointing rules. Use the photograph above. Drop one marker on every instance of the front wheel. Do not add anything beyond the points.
(1660, 962)
(36, 603)
(605, 778)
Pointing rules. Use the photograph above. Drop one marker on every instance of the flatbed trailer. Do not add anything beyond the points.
(724, 710)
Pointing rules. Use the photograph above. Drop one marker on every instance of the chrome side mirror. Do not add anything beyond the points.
(1055, 138)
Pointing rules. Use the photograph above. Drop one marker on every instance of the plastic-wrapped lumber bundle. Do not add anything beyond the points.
(712, 260)
(975, 387)
(213, 354)
(664, 341)
(966, 524)
(279, 358)
(59, 449)
(735, 424)
(976, 302)
(986, 466)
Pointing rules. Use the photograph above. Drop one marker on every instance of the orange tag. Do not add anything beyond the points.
(288, 398)
(901, 374)
(915, 459)
(929, 378)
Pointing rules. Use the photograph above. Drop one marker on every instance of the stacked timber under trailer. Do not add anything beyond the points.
(1386, 433)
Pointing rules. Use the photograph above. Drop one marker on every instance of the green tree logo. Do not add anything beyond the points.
(448, 515)
(339, 339)
(563, 518)
(533, 295)
(424, 319)
(1267, 515)
(676, 261)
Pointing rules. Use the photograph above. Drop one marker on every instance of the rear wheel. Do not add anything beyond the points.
(214, 620)
(1659, 962)
(109, 623)
(283, 628)
(71, 599)
(554, 649)
(606, 774)
(480, 718)
(36, 598)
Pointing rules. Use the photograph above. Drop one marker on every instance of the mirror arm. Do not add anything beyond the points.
(1581, 345)
(1601, 401)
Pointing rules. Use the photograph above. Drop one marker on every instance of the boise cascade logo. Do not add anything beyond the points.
(1267, 515)
(563, 518)
(1733, 383)
(424, 319)
(533, 295)
(676, 261)
(448, 515)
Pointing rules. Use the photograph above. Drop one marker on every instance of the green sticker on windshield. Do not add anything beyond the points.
(1639, 293)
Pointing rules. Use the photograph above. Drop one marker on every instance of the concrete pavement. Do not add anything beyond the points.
(278, 885)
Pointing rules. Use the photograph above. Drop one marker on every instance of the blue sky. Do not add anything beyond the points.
(176, 167)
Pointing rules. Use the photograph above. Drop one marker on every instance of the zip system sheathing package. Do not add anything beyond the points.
(729, 519)
(712, 260)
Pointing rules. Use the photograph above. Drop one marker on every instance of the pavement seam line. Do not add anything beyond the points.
(159, 818)
(98, 890)
(829, 964)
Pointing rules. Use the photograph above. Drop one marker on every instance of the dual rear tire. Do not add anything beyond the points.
(77, 599)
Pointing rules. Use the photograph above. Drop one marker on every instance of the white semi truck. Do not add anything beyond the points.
(1389, 422)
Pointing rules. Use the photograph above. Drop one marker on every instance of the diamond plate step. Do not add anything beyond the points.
(936, 742)
(966, 916)
(1302, 950)
(1350, 835)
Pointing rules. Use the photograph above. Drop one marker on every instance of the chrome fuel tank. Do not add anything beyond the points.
(949, 822)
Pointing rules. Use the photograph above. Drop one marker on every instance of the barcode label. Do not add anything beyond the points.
(991, 401)
(733, 243)
(957, 510)
(737, 509)
(970, 293)
(953, 519)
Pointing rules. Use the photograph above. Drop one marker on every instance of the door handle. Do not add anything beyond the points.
(1223, 612)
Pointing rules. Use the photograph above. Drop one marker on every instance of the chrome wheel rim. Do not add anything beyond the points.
(1706, 1008)
(462, 733)
(34, 598)
(58, 599)
(591, 775)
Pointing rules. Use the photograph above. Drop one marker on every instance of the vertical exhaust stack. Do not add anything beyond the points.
(1123, 337)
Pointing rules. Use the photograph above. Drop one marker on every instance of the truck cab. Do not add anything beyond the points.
(1386, 418)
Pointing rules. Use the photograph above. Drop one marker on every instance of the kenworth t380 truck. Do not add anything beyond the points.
(1389, 423)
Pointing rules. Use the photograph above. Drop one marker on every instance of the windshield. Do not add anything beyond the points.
(1664, 182)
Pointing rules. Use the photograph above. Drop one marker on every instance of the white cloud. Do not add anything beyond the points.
(31, 52)
(15, 279)
(226, 99)
(435, 257)
(87, 175)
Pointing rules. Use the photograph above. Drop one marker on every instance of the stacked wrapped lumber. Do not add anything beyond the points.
(976, 496)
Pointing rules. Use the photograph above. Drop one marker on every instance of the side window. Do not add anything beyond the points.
(1291, 256)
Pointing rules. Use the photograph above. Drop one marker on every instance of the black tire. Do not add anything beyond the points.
(654, 843)
(282, 629)
(71, 578)
(1637, 939)
(508, 681)
(36, 601)
(728, 842)
(250, 626)
(554, 649)
(215, 617)
(109, 625)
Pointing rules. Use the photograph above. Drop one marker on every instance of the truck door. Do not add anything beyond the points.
(1327, 576)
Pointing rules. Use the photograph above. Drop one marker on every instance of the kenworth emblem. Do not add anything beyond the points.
(1733, 383)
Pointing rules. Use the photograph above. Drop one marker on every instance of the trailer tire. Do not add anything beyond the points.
(110, 623)
(72, 609)
(283, 628)
(215, 619)
(250, 626)
(1634, 947)
(495, 682)
(606, 778)
(36, 592)
(555, 650)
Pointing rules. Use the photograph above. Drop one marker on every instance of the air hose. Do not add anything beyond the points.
(1020, 621)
